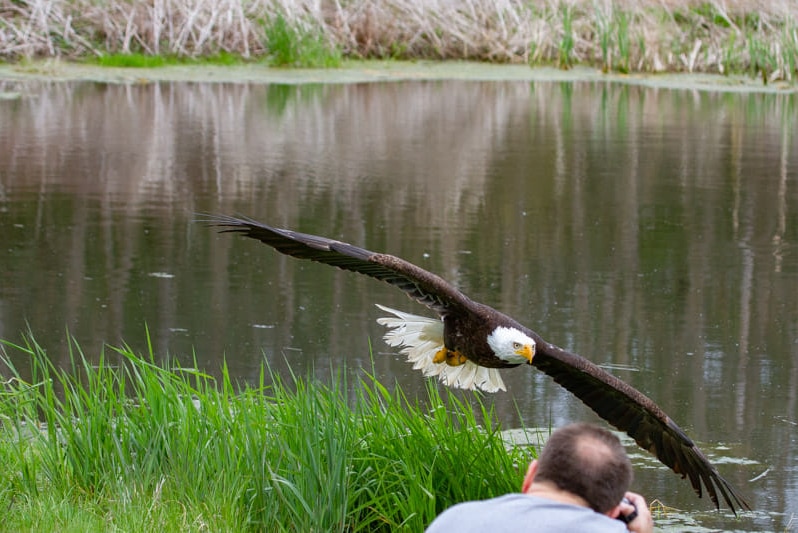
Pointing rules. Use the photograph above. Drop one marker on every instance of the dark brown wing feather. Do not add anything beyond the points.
(421, 285)
(612, 399)
(631, 411)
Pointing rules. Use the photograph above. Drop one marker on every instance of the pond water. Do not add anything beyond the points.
(653, 231)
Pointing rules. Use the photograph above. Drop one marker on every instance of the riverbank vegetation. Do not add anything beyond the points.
(719, 36)
(133, 445)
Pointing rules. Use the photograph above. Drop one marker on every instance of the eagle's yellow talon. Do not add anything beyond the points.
(441, 356)
(455, 359)
(451, 358)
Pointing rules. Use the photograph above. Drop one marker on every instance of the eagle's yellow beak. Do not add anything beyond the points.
(527, 351)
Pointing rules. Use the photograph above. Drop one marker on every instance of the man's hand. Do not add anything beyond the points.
(637, 514)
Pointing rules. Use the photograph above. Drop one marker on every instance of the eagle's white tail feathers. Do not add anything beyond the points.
(420, 338)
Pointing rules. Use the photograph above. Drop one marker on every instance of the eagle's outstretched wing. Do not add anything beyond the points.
(421, 285)
(631, 411)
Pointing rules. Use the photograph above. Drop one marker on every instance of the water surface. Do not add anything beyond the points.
(651, 230)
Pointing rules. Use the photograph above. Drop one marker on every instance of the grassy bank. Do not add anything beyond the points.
(717, 36)
(139, 446)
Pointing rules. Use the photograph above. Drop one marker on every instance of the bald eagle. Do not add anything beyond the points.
(469, 341)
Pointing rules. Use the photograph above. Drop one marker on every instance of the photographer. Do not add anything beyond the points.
(579, 483)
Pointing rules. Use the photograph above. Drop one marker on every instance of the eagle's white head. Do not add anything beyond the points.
(512, 345)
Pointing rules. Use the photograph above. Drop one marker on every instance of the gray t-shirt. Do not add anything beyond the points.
(521, 512)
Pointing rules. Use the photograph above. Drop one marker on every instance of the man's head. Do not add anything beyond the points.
(588, 461)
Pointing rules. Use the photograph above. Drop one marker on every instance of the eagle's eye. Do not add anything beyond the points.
(516, 346)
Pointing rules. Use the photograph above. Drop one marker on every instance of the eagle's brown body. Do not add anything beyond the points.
(465, 333)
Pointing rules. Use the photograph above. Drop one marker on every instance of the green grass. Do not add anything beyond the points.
(130, 60)
(566, 47)
(288, 45)
(139, 60)
(128, 444)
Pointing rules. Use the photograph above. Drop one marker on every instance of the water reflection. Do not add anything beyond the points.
(652, 229)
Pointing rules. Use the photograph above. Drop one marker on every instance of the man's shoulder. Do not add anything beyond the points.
(516, 512)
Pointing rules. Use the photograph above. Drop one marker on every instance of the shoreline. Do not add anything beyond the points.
(754, 38)
(371, 71)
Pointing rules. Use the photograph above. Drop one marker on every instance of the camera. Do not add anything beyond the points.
(626, 518)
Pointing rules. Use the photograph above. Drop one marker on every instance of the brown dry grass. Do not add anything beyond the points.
(756, 36)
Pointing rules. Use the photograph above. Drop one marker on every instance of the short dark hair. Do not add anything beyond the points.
(588, 461)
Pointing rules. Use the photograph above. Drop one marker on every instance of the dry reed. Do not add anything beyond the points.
(658, 35)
